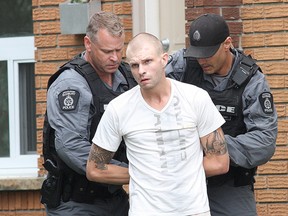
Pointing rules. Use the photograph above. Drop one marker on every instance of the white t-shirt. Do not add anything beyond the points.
(163, 147)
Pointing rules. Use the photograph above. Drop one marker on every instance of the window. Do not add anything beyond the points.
(17, 107)
(4, 113)
(16, 18)
(27, 118)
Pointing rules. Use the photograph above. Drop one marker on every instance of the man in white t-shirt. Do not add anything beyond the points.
(166, 125)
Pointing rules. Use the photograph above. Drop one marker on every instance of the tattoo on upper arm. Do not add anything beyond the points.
(100, 156)
(215, 144)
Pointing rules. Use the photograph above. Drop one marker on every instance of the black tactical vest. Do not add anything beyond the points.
(229, 104)
(101, 97)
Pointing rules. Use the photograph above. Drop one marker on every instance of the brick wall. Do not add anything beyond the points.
(265, 37)
(20, 203)
(260, 28)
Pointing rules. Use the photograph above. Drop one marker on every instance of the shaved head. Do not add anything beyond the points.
(142, 40)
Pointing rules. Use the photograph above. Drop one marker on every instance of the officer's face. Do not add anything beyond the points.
(104, 53)
(218, 63)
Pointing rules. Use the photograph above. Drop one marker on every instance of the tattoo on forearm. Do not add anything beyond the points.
(100, 156)
(216, 144)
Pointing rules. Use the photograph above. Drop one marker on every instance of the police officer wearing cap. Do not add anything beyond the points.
(242, 95)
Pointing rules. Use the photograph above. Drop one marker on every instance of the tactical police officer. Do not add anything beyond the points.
(242, 95)
(76, 99)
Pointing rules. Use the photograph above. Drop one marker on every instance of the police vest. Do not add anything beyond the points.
(101, 94)
(101, 97)
(229, 104)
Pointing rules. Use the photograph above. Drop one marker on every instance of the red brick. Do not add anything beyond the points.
(281, 153)
(122, 8)
(272, 195)
(273, 167)
(45, 41)
(277, 181)
(46, 27)
(71, 40)
(276, 81)
(261, 182)
(277, 209)
(53, 54)
(222, 3)
(274, 67)
(231, 13)
(46, 14)
(264, 11)
(47, 68)
(107, 7)
(49, 2)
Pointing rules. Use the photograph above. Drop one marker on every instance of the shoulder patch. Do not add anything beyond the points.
(266, 102)
(68, 99)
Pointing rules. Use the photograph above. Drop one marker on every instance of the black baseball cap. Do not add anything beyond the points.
(206, 34)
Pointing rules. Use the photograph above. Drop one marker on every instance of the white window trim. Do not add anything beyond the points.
(16, 50)
(146, 17)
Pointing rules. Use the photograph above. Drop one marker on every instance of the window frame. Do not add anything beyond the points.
(16, 50)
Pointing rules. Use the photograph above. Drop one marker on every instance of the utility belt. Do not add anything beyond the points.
(85, 191)
(66, 186)
(240, 175)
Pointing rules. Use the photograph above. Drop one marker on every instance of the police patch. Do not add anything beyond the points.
(266, 102)
(68, 99)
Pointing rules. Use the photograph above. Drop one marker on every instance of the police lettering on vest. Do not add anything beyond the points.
(229, 104)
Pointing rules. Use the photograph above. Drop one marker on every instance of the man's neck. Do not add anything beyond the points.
(224, 71)
(105, 77)
(159, 96)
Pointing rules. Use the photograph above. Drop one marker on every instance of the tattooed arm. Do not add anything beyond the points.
(216, 159)
(99, 170)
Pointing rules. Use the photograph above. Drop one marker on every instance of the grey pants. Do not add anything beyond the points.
(227, 200)
(116, 206)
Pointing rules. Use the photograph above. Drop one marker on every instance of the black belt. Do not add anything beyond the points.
(93, 191)
(240, 175)
(80, 189)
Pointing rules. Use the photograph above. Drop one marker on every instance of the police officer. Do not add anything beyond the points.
(76, 99)
(241, 93)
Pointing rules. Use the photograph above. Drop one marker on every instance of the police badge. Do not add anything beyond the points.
(266, 102)
(68, 99)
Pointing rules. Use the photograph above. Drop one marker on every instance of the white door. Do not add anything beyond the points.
(172, 23)
(163, 18)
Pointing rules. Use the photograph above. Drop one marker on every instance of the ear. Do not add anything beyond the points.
(87, 43)
(228, 43)
(164, 59)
